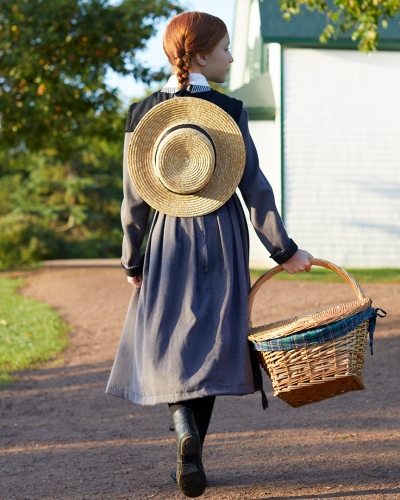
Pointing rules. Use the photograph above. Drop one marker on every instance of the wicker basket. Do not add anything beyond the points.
(311, 374)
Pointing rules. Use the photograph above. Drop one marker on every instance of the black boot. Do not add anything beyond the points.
(189, 468)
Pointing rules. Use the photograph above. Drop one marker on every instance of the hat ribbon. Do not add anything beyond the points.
(187, 125)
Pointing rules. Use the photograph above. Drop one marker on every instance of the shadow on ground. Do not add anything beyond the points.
(63, 438)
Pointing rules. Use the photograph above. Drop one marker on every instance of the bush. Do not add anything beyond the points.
(51, 209)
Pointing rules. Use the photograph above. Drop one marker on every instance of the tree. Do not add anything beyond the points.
(53, 60)
(61, 209)
(61, 128)
(362, 17)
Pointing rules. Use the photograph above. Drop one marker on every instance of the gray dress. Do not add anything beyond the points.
(185, 331)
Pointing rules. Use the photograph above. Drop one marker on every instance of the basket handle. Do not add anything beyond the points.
(315, 262)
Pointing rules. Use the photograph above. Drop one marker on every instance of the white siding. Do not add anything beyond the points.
(266, 137)
(274, 69)
(342, 155)
(239, 44)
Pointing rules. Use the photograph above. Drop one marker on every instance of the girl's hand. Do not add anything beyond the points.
(136, 281)
(300, 261)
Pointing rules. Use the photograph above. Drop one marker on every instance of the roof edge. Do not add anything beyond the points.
(258, 114)
(336, 44)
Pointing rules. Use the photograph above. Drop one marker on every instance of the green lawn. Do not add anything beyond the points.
(321, 275)
(30, 331)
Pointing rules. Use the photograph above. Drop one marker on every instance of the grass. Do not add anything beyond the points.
(21, 268)
(30, 331)
(321, 275)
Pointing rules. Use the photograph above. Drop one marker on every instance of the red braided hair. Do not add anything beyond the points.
(188, 34)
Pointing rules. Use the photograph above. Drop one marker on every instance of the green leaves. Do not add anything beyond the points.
(51, 208)
(53, 60)
(361, 17)
(61, 128)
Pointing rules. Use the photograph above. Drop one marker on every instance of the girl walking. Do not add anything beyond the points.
(187, 149)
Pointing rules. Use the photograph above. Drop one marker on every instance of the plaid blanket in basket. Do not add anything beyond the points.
(322, 334)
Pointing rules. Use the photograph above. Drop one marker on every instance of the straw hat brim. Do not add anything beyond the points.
(229, 147)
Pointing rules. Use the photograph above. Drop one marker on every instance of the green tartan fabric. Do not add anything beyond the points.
(322, 334)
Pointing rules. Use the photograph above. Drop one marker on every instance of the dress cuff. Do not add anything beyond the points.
(133, 271)
(285, 254)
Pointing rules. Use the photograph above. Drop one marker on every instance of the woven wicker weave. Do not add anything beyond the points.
(311, 374)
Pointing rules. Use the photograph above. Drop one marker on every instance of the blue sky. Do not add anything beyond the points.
(154, 53)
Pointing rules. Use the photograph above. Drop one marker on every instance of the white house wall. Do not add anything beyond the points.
(266, 137)
(239, 44)
(342, 155)
(274, 70)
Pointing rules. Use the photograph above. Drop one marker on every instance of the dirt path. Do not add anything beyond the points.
(62, 438)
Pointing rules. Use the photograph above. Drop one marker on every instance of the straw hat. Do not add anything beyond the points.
(186, 157)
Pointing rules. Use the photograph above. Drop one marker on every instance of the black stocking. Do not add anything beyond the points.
(202, 409)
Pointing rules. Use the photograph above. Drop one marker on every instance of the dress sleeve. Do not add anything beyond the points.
(134, 217)
(260, 201)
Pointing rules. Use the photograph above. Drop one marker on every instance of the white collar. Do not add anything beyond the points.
(194, 79)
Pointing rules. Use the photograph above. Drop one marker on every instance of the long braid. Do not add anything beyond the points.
(182, 65)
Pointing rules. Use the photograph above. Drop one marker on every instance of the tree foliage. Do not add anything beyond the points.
(53, 60)
(61, 127)
(50, 208)
(361, 17)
